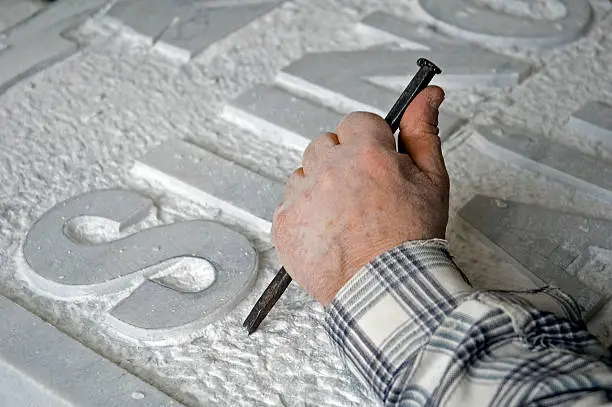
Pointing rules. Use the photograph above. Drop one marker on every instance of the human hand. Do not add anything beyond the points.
(355, 197)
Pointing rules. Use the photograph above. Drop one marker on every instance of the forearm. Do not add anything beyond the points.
(414, 329)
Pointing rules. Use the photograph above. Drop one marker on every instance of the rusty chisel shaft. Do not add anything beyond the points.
(282, 280)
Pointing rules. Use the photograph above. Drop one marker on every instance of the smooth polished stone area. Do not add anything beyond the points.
(36, 43)
(594, 120)
(204, 177)
(155, 305)
(547, 157)
(183, 27)
(545, 242)
(465, 19)
(43, 367)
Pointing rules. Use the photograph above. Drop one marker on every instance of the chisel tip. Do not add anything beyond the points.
(267, 300)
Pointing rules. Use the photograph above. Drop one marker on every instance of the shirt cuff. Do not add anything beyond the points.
(383, 316)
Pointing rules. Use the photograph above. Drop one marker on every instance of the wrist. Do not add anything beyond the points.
(354, 259)
(412, 248)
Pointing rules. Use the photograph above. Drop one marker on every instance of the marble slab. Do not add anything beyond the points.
(494, 27)
(545, 242)
(281, 117)
(202, 176)
(594, 120)
(159, 271)
(547, 157)
(43, 367)
(37, 42)
(184, 28)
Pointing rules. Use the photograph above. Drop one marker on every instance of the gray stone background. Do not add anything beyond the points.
(89, 88)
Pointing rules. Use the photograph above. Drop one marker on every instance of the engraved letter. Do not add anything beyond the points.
(465, 19)
(161, 309)
(545, 242)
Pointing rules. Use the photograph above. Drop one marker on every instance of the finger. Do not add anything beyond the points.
(295, 184)
(367, 128)
(419, 131)
(317, 150)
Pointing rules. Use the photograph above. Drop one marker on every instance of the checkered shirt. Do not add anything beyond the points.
(414, 330)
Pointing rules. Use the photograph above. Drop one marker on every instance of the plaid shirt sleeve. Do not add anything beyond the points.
(413, 329)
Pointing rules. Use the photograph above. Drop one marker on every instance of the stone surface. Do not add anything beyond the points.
(485, 24)
(407, 33)
(547, 157)
(280, 116)
(14, 11)
(36, 43)
(202, 176)
(594, 119)
(79, 126)
(543, 241)
(186, 27)
(360, 80)
(41, 366)
(595, 266)
(345, 78)
(284, 118)
(463, 65)
(153, 311)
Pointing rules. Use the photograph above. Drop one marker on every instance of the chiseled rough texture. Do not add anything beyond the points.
(80, 124)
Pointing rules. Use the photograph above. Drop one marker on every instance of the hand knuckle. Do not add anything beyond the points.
(356, 118)
(372, 157)
(328, 180)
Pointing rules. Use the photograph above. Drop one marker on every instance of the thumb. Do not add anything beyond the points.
(419, 132)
